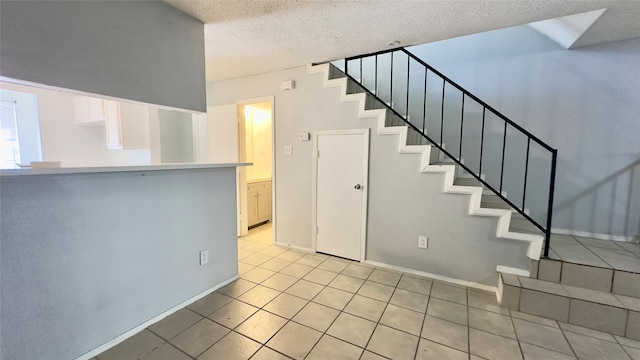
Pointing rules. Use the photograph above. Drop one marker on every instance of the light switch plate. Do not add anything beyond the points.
(304, 136)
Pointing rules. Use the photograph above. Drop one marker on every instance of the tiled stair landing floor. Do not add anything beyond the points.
(587, 282)
(598, 310)
(615, 255)
(291, 304)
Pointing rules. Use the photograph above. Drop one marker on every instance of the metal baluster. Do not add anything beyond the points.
(424, 103)
(361, 81)
(442, 114)
(461, 128)
(504, 145)
(526, 172)
(484, 109)
(346, 67)
(408, 79)
(391, 84)
(375, 88)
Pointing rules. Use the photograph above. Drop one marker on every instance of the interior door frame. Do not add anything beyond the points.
(241, 174)
(365, 185)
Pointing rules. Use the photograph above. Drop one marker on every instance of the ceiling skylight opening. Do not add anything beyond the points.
(566, 30)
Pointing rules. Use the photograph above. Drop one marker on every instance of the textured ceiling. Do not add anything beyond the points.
(252, 37)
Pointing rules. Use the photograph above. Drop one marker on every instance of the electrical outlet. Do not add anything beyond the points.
(423, 242)
(288, 150)
(204, 257)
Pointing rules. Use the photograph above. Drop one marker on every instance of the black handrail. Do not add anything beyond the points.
(507, 122)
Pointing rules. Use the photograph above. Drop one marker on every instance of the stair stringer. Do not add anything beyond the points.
(534, 248)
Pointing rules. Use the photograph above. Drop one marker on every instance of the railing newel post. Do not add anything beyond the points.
(552, 185)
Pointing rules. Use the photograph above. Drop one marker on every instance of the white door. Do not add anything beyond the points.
(341, 192)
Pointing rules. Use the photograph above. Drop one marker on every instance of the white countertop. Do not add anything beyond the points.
(109, 169)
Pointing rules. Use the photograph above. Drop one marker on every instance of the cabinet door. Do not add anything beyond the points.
(89, 111)
(264, 204)
(114, 131)
(252, 208)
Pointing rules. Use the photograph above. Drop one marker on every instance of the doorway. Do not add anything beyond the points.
(341, 164)
(255, 145)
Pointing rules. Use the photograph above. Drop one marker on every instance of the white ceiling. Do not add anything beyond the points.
(252, 37)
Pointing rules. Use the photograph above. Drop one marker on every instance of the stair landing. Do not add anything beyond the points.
(616, 255)
(587, 282)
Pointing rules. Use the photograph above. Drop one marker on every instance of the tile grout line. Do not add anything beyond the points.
(334, 320)
(515, 331)
(170, 344)
(311, 300)
(618, 341)
(468, 329)
(283, 292)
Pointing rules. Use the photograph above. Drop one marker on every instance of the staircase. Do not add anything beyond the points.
(515, 169)
(457, 179)
(599, 298)
(403, 108)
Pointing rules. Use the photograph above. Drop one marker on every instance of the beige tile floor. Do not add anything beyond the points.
(291, 304)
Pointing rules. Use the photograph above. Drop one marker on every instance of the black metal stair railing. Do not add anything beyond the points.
(424, 99)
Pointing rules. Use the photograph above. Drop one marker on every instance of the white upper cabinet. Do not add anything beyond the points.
(89, 111)
(126, 125)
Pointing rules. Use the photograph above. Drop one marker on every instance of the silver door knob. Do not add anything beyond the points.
(357, 187)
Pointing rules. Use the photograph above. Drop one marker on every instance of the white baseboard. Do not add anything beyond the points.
(295, 247)
(588, 234)
(483, 287)
(111, 343)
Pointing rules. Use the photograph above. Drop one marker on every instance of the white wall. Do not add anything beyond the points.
(140, 50)
(222, 133)
(76, 145)
(402, 203)
(585, 102)
(27, 123)
(87, 257)
(259, 141)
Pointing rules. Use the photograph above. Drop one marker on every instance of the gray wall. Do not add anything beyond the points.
(584, 102)
(176, 136)
(140, 50)
(402, 202)
(85, 258)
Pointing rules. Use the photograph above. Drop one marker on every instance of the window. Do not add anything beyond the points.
(9, 142)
